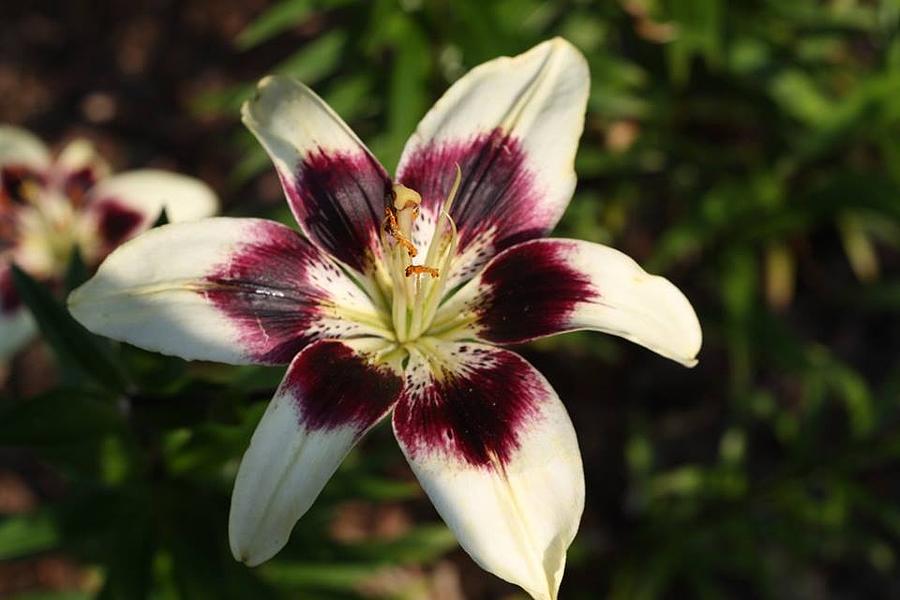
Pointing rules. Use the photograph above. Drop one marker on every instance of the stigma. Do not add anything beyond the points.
(400, 212)
(415, 289)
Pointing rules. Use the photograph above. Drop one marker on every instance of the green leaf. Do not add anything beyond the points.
(407, 92)
(58, 417)
(130, 549)
(278, 18)
(327, 576)
(22, 535)
(66, 595)
(315, 60)
(798, 95)
(421, 545)
(77, 272)
(74, 345)
(699, 24)
(310, 64)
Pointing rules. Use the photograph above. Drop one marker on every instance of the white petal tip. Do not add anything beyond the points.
(75, 301)
(561, 43)
(690, 363)
(253, 549)
(270, 86)
(248, 559)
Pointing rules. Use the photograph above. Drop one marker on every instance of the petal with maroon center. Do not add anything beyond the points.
(368, 300)
(333, 392)
(512, 125)
(238, 291)
(549, 286)
(126, 204)
(77, 168)
(23, 161)
(495, 450)
(51, 206)
(335, 187)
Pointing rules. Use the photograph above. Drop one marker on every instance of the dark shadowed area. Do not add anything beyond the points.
(747, 151)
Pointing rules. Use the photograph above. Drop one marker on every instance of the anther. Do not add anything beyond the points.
(421, 270)
(393, 229)
(400, 212)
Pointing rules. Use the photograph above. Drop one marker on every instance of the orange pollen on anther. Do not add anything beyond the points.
(393, 229)
(421, 270)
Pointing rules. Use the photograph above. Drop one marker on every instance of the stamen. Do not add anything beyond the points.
(393, 229)
(421, 270)
(30, 191)
(414, 299)
(437, 240)
(400, 214)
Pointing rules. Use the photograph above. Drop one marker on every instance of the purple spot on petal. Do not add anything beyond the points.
(532, 291)
(116, 222)
(9, 297)
(475, 415)
(334, 387)
(339, 200)
(497, 189)
(263, 288)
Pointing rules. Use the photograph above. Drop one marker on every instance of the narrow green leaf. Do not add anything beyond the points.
(338, 576)
(315, 60)
(77, 272)
(310, 64)
(74, 345)
(280, 17)
(422, 545)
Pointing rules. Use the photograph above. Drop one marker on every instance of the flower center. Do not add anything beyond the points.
(416, 289)
(39, 228)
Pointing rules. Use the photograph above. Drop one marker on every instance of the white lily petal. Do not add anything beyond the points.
(334, 185)
(230, 290)
(496, 452)
(330, 396)
(551, 286)
(21, 147)
(121, 206)
(149, 190)
(81, 155)
(512, 125)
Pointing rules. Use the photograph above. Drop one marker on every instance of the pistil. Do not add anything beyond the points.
(416, 289)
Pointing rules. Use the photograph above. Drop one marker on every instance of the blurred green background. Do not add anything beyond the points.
(749, 151)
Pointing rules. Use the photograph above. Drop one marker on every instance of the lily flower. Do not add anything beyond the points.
(396, 300)
(51, 207)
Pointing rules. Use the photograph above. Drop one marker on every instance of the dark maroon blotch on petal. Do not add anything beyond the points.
(339, 200)
(497, 188)
(263, 289)
(9, 297)
(78, 182)
(116, 221)
(13, 178)
(532, 291)
(477, 415)
(336, 387)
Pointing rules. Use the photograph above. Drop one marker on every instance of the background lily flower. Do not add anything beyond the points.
(394, 300)
(53, 206)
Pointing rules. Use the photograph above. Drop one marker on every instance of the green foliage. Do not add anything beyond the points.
(74, 345)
